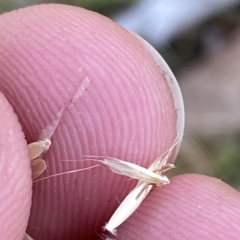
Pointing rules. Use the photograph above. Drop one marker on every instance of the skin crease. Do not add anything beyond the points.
(126, 112)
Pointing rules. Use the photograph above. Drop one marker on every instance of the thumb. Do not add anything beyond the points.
(15, 175)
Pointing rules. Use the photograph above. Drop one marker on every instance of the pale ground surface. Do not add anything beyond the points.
(211, 91)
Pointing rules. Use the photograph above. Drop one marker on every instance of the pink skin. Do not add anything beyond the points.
(15, 177)
(126, 112)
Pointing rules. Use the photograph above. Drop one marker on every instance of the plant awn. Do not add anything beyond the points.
(153, 176)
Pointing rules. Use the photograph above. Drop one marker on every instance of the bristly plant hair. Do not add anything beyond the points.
(143, 187)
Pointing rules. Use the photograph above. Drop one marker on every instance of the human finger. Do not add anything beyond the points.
(191, 207)
(15, 175)
(80, 79)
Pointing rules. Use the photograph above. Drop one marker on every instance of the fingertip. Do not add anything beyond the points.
(58, 47)
(15, 175)
(125, 110)
(190, 207)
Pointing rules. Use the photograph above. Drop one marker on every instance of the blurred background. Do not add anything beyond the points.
(200, 40)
